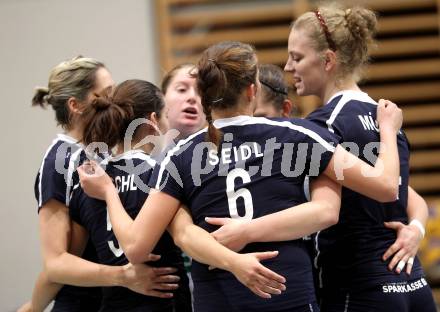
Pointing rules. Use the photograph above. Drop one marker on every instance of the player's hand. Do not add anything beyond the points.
(150, 281)
(27, 307)
(404, 248)
(231, 232)
(94, 180)
(259, 279)
(389, 116)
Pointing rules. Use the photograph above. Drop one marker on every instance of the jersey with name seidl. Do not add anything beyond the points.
(349, 254)
(130, 172)
(55, 180)
(258, 169)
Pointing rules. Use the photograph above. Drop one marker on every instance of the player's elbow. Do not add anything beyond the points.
(389, 191)
(180, 237)
(51, 267)
(134, 254)
(330, 214)
(48, 268)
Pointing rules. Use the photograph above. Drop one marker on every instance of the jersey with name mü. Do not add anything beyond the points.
(55, 180)
(257, 169)
(130, 172)
(349, 254)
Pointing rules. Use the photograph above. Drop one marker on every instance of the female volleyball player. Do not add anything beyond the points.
(109, 119)
(184, 110)
(328, 49)
(72, 86)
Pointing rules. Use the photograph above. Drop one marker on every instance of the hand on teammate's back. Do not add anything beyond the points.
(405, 247)
(151, 281)
(255, 276)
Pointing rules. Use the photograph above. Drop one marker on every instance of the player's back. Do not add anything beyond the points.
(130, 172)
(258, 169)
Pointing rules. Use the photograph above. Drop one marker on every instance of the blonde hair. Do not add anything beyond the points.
(73, 78)
(351, 30)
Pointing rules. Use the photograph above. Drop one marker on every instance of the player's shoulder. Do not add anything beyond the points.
(186, 145)
(356, 101)
(301, 125)
(134, 157)
(63, 147)
(280, 123)
(342, 106)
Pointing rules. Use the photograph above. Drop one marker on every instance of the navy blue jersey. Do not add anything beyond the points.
(350, 253)
(57, 174)
(405, 296)
(130, 172)
(55, 180)
(258, 169)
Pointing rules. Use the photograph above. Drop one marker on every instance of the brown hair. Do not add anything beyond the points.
(169, 76)
(223, 72)
(273, 85)
(72, 78)
(107, 118)
(350, 30)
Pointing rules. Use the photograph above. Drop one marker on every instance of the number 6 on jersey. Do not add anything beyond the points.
(243, 193)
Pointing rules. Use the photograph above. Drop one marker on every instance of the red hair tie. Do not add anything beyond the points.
(324, 27)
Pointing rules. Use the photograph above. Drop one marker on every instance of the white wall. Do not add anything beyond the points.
(35, 35)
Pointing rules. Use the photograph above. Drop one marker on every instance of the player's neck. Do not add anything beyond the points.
(338, 86)
(75, 133)
(135, 145)
(243, 107)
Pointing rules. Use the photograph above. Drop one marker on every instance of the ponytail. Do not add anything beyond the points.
(223, 72)
(111, 112)
(40, 97)
(104, 118)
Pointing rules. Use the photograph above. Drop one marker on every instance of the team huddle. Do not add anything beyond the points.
(277, 213)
